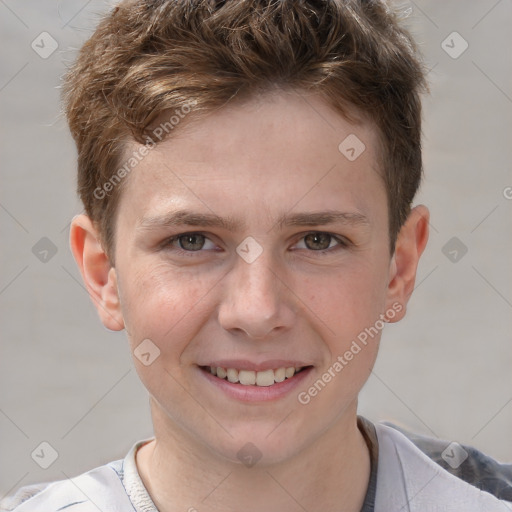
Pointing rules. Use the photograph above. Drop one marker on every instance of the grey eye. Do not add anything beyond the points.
(318, 241)
(192, 241)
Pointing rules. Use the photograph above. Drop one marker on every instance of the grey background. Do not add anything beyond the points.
(444, 371)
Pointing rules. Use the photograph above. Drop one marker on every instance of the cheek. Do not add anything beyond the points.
(164, 306)
(348, 306)
(346, 301)
(167, 308)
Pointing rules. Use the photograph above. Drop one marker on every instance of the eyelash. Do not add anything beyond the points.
(341, 243)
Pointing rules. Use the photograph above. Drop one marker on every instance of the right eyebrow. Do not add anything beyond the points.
(189, 218)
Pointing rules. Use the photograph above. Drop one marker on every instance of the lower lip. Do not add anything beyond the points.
(257, 393)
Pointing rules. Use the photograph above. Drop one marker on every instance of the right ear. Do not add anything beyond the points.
(98, 274)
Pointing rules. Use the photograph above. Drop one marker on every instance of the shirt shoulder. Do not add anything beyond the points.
(408, 479)
(466, 463)
(100, 487)
(10, 503)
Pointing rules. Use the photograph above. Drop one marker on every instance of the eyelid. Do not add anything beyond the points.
(170, 240)
(341, 241)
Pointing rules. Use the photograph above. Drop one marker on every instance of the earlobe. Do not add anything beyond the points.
(410, 245)
(97, 273)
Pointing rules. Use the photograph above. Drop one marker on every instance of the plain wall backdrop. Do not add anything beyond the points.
(444, 371)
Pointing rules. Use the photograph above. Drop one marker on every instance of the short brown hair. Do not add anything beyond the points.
(149, 57)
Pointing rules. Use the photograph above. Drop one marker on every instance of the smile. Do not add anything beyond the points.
(255, 382)
(254, 378)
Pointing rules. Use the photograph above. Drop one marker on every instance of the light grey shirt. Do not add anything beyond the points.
(402, 479)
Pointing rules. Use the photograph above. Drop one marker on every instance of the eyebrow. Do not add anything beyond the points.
(189, 218)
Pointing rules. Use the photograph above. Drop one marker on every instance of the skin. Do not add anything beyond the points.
(254, 162)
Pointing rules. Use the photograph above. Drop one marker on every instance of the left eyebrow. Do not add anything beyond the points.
(311, 219)
(323, 218)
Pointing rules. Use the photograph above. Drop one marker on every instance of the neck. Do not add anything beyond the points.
(330, 474)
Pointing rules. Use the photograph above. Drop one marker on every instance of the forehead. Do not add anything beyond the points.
(268, 153)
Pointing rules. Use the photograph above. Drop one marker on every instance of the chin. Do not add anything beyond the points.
(262, 448)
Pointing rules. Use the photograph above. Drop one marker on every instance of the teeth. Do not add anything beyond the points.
(289, 372)
(232, 375)
(247, 377)
(251, 378)
(265, 378)
(280, 374)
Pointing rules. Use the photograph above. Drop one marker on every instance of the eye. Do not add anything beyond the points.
(190, 242)
(319, 241)
(196, 242)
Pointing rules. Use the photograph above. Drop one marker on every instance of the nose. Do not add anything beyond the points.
(256, 300)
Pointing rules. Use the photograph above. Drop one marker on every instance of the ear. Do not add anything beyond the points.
(411, 242)
(97, 273)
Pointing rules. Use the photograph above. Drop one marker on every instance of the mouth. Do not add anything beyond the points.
(262, 378)
(255, 386)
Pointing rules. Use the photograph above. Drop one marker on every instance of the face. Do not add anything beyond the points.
(250, 241)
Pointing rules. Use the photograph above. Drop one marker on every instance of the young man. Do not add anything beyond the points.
(247, 170)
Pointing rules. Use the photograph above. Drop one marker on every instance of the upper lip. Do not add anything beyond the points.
(245, 364)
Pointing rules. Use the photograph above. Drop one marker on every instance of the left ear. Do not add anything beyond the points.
(410, 243)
